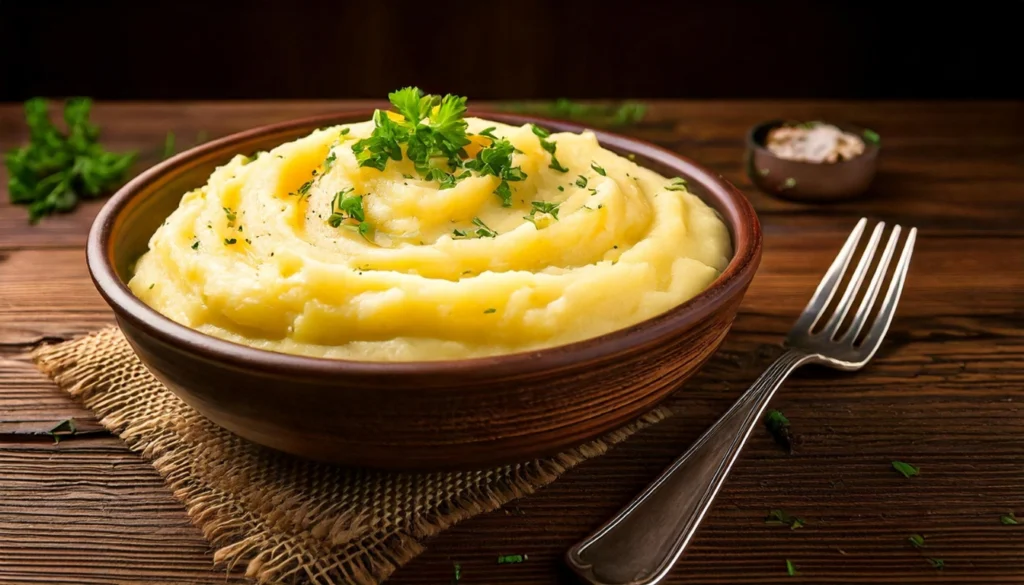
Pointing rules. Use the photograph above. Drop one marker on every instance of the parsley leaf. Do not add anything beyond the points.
(778, 425)
(345, 206)
(544, 207)
(230, 241)
(382, 145)
(906, 469)
(872, 137)
(482, 231)
(496, 160)
(1008, 519)
(581, 182)
(511, 559)
(937, 564)
(917, 540)
(791, 569)
(780, 517)
(490, 310)
(598, 169)
(677, 184)
(55, 170)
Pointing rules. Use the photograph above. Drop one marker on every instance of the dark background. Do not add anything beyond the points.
(527, 49)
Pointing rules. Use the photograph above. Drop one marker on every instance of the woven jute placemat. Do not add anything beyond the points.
(288, 520)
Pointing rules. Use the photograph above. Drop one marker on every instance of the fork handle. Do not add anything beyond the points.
(641, 543)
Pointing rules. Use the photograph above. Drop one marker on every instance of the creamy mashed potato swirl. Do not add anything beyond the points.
(252, 257)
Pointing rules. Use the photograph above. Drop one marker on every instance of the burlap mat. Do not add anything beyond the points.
(289, 520)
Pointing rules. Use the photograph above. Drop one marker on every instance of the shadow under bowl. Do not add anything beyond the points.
(805, 181)
(416, 415)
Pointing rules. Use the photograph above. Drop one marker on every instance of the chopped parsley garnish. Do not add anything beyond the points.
(511, 559)
(677, 184)
(64, 428)
(549, 146)
(581, 182)
(230, 241)
(540, 131)
(303, 189)
(791, 569)
(345, 131)
(489, 311)
(426, 132)
(496, 160)
(592, 192)
(1008, 519)
(778, 425)
(598, 169)
(937, 564)
(329, 161)
(544, 207)
(55, 170)
(557, 165)
(482, 230)
(456, 573)
(195, 245)
(780, 517)
(230, 214)
(917, 540)
(872, 137)
(561, 188)
(346, 206)
(789, 183)
(489, 133)
(906, 469)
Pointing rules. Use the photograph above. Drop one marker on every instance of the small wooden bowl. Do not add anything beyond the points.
(804, 181)
(416, 415)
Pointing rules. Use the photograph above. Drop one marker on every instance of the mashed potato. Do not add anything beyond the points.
(301, 250)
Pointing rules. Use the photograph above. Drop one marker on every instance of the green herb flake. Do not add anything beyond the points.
(64, 428)
(677, 184)
(230, 241)
(781, 518)
(872, 137)
(303, 189)
(511, 559)
(598, 169)
(581, 182)
(791, 569)
(557, 165)
(168, 145)
(778, 425)
(561, 188)
(489, 311)
(151, 285)
(195, 245)
(456, 573)
(906, 469)
(540, 132)
(544, 207)
(496, 160)
(489, 133)
(55, 170)
(789, 183)
(345, 131)
(937, 564)
(1008, 519)
(917, 540)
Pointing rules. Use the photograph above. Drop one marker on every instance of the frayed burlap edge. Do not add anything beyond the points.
(281, 533)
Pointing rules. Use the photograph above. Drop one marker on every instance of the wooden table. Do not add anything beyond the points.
(946, 392)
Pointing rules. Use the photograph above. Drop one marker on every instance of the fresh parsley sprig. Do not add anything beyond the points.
(431, 128)
(348, 209)
(56, 170)
(496, 160)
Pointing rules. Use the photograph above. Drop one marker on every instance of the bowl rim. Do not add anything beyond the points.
(746, 236)
(870, 148)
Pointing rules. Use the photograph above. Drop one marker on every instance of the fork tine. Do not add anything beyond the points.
(832, 326)
(827, 287)
(892, 297)
(861, 316)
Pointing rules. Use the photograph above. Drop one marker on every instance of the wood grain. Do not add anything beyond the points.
(946, 393)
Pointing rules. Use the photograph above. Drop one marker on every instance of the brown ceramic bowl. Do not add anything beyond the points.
(416, 415)
(804, 181)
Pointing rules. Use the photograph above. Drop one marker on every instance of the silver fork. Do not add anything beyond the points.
(640, 544)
